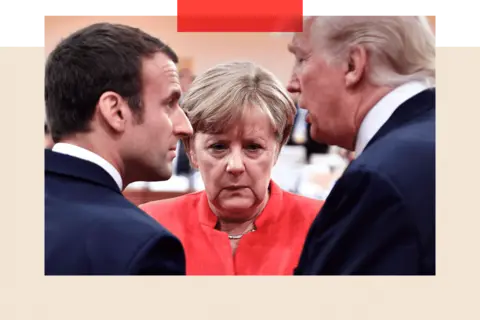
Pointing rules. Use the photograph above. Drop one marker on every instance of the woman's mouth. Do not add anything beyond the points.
(235, 187)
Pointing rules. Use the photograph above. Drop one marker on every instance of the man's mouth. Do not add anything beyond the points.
(308, 118)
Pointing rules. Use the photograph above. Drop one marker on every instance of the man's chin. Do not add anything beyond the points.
(166, 176)
(316, 134)
(163, 174)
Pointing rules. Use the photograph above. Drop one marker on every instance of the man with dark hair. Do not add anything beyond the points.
(111, 94)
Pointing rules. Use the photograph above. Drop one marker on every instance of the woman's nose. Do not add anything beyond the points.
(235, 164)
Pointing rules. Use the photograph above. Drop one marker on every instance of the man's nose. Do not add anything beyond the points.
(182, 126)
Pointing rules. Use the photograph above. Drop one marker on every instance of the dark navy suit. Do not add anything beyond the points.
(91, 229)
(380, 217)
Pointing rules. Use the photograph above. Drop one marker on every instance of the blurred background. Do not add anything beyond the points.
(304, 166)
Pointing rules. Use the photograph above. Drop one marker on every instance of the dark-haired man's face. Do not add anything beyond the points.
(154, 141)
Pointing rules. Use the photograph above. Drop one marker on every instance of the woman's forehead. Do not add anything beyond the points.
(243, 130)
(237, 119)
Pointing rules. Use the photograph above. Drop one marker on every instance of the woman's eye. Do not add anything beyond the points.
(253, 147)
(217, 146)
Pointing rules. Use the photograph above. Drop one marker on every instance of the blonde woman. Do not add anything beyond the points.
(242, 223)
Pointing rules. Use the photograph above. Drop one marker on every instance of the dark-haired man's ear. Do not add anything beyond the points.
(114, 111)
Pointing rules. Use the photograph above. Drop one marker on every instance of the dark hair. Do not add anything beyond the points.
(99, 58)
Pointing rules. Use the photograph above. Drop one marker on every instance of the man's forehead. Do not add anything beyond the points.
(299, 42)
(161, 66)
(301, 39)
(243, 129)
(168, 68)
(171, 72)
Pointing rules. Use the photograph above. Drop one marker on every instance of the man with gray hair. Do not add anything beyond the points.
(368, 86)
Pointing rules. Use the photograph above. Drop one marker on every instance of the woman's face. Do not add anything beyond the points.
(236, 166)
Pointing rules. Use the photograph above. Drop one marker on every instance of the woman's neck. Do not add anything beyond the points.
(236, 228)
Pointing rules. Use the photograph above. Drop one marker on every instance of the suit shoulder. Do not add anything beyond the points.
(361, 174)
(405, 154)
(132, 241)
(408, 143)
(404, 161)
(130, 228)
(135, 218)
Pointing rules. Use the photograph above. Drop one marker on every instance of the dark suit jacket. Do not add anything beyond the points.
(380, 217)
(91, 229)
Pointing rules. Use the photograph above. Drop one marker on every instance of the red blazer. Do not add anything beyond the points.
(273, 249)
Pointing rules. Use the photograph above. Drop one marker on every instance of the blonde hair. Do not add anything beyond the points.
(400, 49)
(218, 99)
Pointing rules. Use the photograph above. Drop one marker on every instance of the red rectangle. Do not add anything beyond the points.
(238, 24)
(249, 7)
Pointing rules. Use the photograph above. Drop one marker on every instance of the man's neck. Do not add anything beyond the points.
(369, 98)
(94, 144)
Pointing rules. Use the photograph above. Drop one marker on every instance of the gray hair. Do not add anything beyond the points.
(218, 98)
(400, 49)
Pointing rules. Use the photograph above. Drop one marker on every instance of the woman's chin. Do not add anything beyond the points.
(236, 205)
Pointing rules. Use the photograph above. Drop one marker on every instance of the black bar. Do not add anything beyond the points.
(459, 24)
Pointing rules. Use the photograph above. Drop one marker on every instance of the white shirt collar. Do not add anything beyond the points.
(382, 111)
(79, 152)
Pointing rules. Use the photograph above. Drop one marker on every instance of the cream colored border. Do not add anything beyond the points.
(26, 294)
